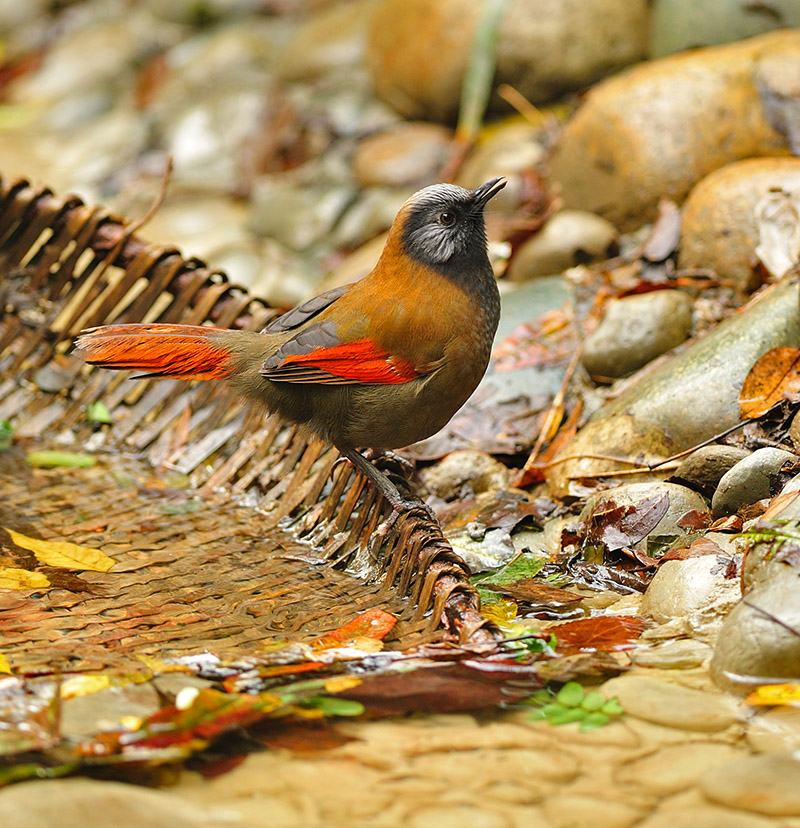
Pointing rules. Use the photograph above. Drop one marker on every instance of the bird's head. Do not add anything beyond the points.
(443, 225)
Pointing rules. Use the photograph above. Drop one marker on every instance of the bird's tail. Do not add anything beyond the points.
(190, 352)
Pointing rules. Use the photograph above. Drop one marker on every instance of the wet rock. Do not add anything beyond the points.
(703, 816)
(694, 590)
(333, 39)
(672, 655)
(357, 265)
(476, 470)
(209, 135)
(372, 214)
(647, 132)
(635, 330)
(768, 784)
(570, 237)
(83, 716)
(408, 154)
(295, 213)
(751, 479)
(759, 640)
(672, 705)
(674, 768)
(74, 803)
(89, 60)
(718, 229)
(576, 810)
(418, 51)
(703, 469)
(677, 25)
(775, 730)
(681, 501)
(683, 402)
(51, 379)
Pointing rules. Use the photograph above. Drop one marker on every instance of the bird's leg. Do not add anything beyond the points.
(400, 505)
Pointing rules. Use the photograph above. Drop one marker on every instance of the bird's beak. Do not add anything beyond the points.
(490, 189)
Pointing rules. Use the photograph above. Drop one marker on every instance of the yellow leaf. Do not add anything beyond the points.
(776, 694)
(63, 553)
(83, 685)
(339, 683)
(5, 667)
(12, 578)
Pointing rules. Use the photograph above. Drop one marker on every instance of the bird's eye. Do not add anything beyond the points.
(447, 218)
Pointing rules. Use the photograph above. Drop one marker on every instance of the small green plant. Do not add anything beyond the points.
(572, 703)
(97, 412)
(6, 433)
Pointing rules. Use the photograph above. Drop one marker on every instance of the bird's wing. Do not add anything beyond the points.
(317, 355)
(305, 310)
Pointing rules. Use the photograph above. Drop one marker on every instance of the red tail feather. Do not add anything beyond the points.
(191, 352)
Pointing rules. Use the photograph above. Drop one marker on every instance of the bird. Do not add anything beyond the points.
(378, 364)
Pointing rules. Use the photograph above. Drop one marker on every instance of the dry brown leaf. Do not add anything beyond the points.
(63, 553)
(13, 578)
(773, 378)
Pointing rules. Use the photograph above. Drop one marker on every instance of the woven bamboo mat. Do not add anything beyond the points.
(276, 543)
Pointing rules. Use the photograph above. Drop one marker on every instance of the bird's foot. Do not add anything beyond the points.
(377, 455)
(402, 507)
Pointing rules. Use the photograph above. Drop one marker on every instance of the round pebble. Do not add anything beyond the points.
(635, 330)
(776, 729)
(766, 784)
(703, 469)
(672, 705)
(570, 237)
(755, 477)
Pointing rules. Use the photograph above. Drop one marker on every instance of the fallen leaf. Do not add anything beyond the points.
(83, 685)
(600, 634)
(775, 695)
(373, 623)
(774, 377)
(63, 553)
(5, 667)
(539, 593)
(13, 578)
(616, 526)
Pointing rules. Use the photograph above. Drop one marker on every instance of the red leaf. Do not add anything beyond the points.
(591, 635)
(373, 623)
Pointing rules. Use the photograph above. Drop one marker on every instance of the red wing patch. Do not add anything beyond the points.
(363, 361)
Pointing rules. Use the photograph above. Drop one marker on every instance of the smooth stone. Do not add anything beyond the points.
(646, 133)
(719, 230)
(672, 705)
(294, 213)
(672, 655)
(700, 816)
(673, 768)
(580, 811)
(774, 730)
(407, 154)
(510, 148)
(570, 237)
(681, 501)
(371, 215)
(704, 468)
(209, 134)
(82, 716)
(418, 51)
(635, 330)
(332, 40)
(759, 641)
(684, 401)
(76, 803)
(355, 266)
(473, 471)
(755, 477)
(695, 590)
(677, 25)
(767, 784)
